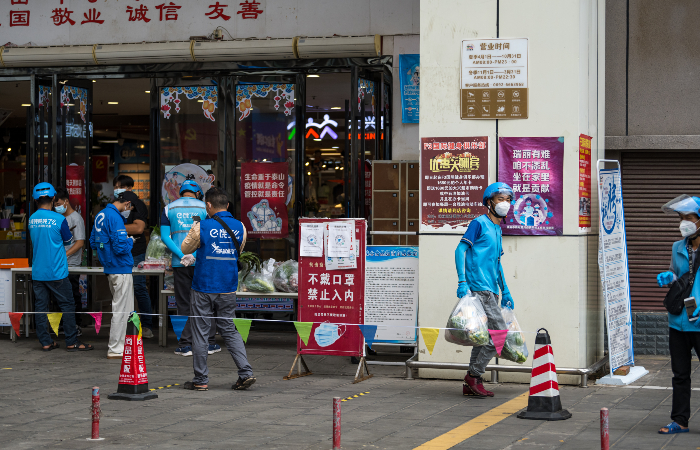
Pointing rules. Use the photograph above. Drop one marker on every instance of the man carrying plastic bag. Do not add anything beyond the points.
(478, 262)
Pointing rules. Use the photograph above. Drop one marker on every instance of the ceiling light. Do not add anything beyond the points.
(312, 76)
(70, 104)
(336, 147)
(317, 140)
(9, 149)
(331, 154)
(307, 163)
(112, 103)
(342, 168)
(94, 81)
(336, 107)
(114, 141)
(336, 167)
(147, 92)
(26, 104)
(324, 166)
(265, 159)
(200, 101)
(308, 173)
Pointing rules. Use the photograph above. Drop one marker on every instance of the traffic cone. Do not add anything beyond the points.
(544, 402)
(133, 379)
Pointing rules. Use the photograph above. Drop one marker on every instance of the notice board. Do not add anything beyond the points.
(333, 298)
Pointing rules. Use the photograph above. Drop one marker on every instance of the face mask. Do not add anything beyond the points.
(502, 208)
(687, 228)
(118, 191)
(61, 209)
(126, 213)
(326, 334)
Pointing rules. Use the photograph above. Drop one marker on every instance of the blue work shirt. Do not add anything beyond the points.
(217, 260)
(49, 232)
(110, 240)
(679, 266)
(483, 264)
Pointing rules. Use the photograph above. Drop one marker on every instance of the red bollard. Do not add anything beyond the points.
(604, 431)
(336, 423)
(96, 413)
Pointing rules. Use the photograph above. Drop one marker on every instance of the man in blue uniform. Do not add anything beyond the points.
(214, 288)
(478, 261)
(49, 232)
(175, 223)
(113, 247)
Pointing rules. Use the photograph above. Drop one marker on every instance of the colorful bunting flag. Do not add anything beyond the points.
(14, 320)
(499, 339)
(243, 327)
(54, 320)
(134, 318)
(178, 324)
(98, 320)
(430, 336)
(368, 331)
(304, 331)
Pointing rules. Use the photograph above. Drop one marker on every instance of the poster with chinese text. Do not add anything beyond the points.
(454, 174)
(409, 68)
(263, 199)
(75, 183)
(332, 300)
(584, 181)
(533, 167)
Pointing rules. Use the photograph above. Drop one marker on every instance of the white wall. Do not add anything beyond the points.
(280, 18)
(550, 277)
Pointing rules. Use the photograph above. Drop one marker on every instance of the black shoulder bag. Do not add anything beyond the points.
(680, 290)
(233, 238)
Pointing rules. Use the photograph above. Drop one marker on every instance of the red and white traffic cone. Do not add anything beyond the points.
(133, 378)
(544, 402)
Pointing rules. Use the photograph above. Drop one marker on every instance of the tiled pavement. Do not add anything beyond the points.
(45, 401)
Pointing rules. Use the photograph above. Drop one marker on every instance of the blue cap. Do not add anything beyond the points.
(43, 190)
(190, 185)
(496, 188)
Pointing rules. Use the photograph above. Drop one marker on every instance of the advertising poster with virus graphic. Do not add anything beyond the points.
(264, 199)
(534, 168)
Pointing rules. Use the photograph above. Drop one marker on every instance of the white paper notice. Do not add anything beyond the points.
(339, 237)
(340, 263)
(311, 240)
(5, 297)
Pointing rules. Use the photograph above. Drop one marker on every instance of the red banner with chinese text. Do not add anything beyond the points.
(584, 181)
(75, 183)
(454, 174)
(333, 298)
(133, 370)
(263, 199)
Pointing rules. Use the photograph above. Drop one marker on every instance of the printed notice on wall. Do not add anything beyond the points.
(612, 259)
(339, 238)
(584, 182)
(311, 239)
(5, 297)
(391, 292)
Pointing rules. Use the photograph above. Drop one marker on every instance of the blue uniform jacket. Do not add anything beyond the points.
(679, 266)
(110, 240)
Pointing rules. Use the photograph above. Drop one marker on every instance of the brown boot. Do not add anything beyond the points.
(476, 385)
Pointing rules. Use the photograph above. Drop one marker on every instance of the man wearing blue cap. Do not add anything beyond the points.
(683, 335)
(175, 222)
(478, 261)
(49, 233)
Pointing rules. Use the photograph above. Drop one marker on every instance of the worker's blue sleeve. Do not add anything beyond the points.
(165, 236)
(460, 260)
(66, 235)
(502, 279)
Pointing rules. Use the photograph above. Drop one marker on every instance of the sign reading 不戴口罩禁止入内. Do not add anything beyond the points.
(614, 272)
(493, 82)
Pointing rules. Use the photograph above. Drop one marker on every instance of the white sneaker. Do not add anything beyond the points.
(111, 355)
(147, 333)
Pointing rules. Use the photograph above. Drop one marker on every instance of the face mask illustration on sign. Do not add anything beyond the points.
(326, 334)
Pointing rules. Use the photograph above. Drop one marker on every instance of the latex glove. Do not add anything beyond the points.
(133, 238)
(187, 260)
(665, 278)
(507, 301)
(463, 290)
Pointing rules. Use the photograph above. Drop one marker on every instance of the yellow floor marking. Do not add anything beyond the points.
(7, 368)
(476, 425)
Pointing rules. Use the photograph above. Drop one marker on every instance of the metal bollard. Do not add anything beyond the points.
(604, 430)
(336, 423)
(96, 413)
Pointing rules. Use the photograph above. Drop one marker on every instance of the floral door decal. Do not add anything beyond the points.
(208, 94)
(78, 95)
(283, 93)
(365, 87)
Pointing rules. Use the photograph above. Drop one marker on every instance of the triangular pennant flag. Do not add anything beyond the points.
(368, 331)
(430, 336)
(499, 339)
(98, 320)
(14, 320)
(304, 331)
(54, 320)
(178, 324)
(243, 327)
(137, 323)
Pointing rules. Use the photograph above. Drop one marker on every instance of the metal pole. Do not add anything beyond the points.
(336, 423)
(494, 374)
(96, 412)
(604, 431)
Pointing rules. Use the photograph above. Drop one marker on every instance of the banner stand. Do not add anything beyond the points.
(360, 374)
(298, 362)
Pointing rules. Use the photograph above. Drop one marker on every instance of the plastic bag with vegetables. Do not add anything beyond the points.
(157, 249)
(286, 276)
(261, 281)
(514, 348)
(467, 324)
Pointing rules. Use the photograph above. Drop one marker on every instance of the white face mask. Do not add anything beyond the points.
(126, 213)
(502, 208)
(687, 228)
(118, 191)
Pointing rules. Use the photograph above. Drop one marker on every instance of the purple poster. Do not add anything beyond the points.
(534, 168)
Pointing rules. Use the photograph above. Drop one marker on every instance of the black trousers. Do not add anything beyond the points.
(680, 343)
(75, 285)
(183, 285)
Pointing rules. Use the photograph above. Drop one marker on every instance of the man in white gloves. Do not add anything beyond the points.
(175, 222)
